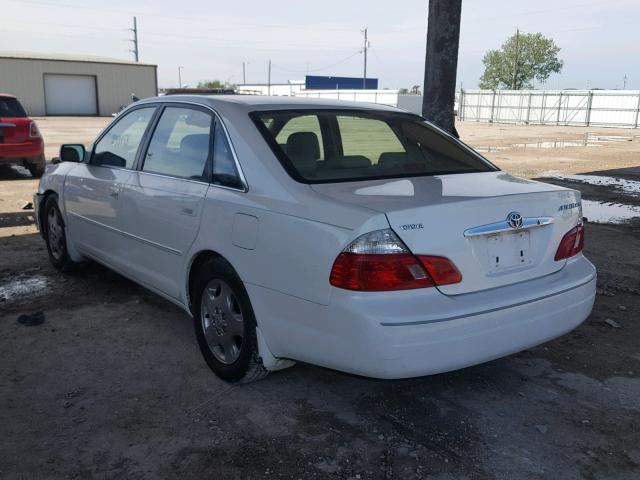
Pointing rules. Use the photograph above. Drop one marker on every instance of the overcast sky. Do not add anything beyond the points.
(211, 39)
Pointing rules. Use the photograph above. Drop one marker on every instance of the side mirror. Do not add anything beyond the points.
(72, 153)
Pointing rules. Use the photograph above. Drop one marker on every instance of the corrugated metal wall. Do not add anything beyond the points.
(607, 108)
(24, 78)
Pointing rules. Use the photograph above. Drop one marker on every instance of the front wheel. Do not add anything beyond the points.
(55, 235)
(225, 324)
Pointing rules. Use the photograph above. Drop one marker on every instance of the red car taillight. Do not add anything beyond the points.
(379, 261)
(34, 132)
(572, 243)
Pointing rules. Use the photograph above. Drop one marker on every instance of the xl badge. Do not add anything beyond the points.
(514, 219)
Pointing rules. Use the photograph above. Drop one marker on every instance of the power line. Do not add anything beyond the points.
(172, 17)
(318, 69)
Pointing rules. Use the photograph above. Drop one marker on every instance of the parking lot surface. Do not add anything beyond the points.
(112, 385)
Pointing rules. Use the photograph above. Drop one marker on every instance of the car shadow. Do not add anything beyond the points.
(14, 172)
(17, 219)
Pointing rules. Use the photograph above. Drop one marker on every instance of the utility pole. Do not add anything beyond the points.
(441, 62)
(269, 79)
(364, 50)
(516, 60)
(624, 82)
(244, 74)
(135, 38)
(180, 77)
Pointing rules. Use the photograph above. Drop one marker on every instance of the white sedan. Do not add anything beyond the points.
(359, 238)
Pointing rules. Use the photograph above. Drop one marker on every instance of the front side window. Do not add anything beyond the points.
(180, 144)
(119, 146)
(362, 145)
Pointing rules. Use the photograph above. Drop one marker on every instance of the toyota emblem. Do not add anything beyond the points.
(514, 219)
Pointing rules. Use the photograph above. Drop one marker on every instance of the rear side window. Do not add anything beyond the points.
(334, 146)
(119, 146)
(224, 165)
(180, 144)
(10, 107)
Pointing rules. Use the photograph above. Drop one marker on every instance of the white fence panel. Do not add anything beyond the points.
(383, 97)
(610, 108)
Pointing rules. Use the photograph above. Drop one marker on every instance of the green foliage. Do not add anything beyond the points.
(521, 59)
(415, 90)
(211, 84)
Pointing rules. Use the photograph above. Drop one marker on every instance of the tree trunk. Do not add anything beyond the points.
(441, 63)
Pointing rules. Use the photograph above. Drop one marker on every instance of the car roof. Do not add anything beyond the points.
(7, 95)
(251, 103)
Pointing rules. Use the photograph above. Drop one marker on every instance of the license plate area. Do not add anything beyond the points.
(509, 250)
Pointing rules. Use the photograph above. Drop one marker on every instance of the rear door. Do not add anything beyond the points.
(163, 199)
(92, 191)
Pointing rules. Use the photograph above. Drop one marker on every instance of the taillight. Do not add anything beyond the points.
(34, 132)
(441, 269)
(379, 261)
(572, 243)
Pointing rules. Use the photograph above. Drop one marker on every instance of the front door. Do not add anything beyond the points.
(92, 195)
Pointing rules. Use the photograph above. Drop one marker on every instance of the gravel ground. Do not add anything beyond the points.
(112, 385)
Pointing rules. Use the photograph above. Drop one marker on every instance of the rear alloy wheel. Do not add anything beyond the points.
(225, 324)
(222, 321)
(55, 235)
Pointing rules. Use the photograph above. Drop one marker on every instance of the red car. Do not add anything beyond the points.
(20, 140)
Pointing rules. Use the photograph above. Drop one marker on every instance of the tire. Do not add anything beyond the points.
(55, 237)
(225, 324)
(36, 166)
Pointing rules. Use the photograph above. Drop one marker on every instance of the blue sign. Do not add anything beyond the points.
(314, 82)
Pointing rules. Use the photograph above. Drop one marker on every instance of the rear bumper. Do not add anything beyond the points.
(12, 151)
(422, 332)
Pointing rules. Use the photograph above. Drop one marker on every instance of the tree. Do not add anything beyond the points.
(211, 84)
(521, 59)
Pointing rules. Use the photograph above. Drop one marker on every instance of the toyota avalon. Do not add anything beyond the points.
(356, 237)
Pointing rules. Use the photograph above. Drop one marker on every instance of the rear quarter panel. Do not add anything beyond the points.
(287, 253)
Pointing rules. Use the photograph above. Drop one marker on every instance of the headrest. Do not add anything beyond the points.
(303, 145)
(389, 159)
(349, 161)
(197, 142)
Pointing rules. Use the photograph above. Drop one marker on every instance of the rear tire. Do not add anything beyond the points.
(55, 236)
(36, 166)
(225, 324)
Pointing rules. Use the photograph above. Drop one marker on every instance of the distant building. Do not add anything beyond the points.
(288, 89)
(74, 85)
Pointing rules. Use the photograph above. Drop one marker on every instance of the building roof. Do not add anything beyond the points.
(69, 58)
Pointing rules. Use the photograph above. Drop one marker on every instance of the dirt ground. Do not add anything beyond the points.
(112, 384)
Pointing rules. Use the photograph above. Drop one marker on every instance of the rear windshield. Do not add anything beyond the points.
(10, 107)
(321, 146)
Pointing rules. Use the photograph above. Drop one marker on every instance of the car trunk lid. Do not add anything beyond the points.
(464, 217)
(14, 130)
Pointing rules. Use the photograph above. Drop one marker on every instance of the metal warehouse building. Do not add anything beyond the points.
(71, 85)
